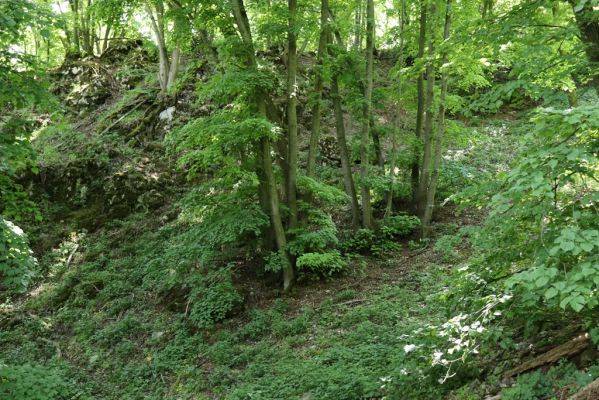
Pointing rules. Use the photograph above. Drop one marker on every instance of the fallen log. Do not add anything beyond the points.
(589, 392)
(565, 350)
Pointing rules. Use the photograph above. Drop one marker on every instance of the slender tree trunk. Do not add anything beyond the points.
(318, 84)
(270, 188)
(348, 180)
(157, 24)
(364, 159)
(487, 8)
(86, 32)
(48, 50)
(421, 100)
(358, 27)
(427, 134)
(392, 164)
(338, 37)
(174, 67)
(376, 141)
(432, 189)
(75, 9)
(292, 114)
(346, 166)
(106, 36)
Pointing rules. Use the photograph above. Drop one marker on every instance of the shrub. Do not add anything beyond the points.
(325, 264)
(27, 382)
(366, 241)
(398, 226)
(17, 264)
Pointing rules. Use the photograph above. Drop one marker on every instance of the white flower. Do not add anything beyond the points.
(409, 347)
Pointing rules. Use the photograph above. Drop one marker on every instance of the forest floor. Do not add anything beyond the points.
(98, 318)
(110, 317)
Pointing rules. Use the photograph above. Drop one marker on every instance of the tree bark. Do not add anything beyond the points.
(173, 68)
(432, 189)
(565, 350)
(420, 109)
(318, 85)
(292, 113)
(269, 188)
(348, 179)
(358, 26)
(364, 159)
(106, 36)
(75, 9)
(393, 161)
(157, 24)
(427, 134)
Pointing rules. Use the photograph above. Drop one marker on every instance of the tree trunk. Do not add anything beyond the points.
(358, 26)
(292, 114)
(427, 134)
(376, 141)
(106, 36)
(432, 189)
(157, 24)
(75, 9)
(348, 179)
(421, 100)
(393, 161)
(487, 8)
(318, 84)
(86, 31)
(270, 188)
(174, 68)
(364, 159)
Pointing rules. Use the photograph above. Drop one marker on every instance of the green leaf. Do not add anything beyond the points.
(551, 293)
(577, 303)
(542, 281)
(567, 246)
(586, 246)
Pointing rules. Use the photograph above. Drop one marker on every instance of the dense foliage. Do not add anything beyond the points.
(315, 199)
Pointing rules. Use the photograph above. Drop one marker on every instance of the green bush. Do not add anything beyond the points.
(325, 264)
(17, 264)
(398, 226)
(28, 382)
(376, 243)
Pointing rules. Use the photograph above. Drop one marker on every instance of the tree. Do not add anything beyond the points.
(367, 221)
(348, 178)
(400, 61)
(168, 68)
(318, 85)
(438, 147)
(268, 188)
(292, 113)
(421, 101)
(427, 133)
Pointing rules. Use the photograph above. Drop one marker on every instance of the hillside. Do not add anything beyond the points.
(299, 201)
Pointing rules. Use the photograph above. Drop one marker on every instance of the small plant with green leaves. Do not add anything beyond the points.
(17, 264)
(29, 382)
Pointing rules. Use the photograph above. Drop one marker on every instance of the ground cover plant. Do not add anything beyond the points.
(302, 199)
